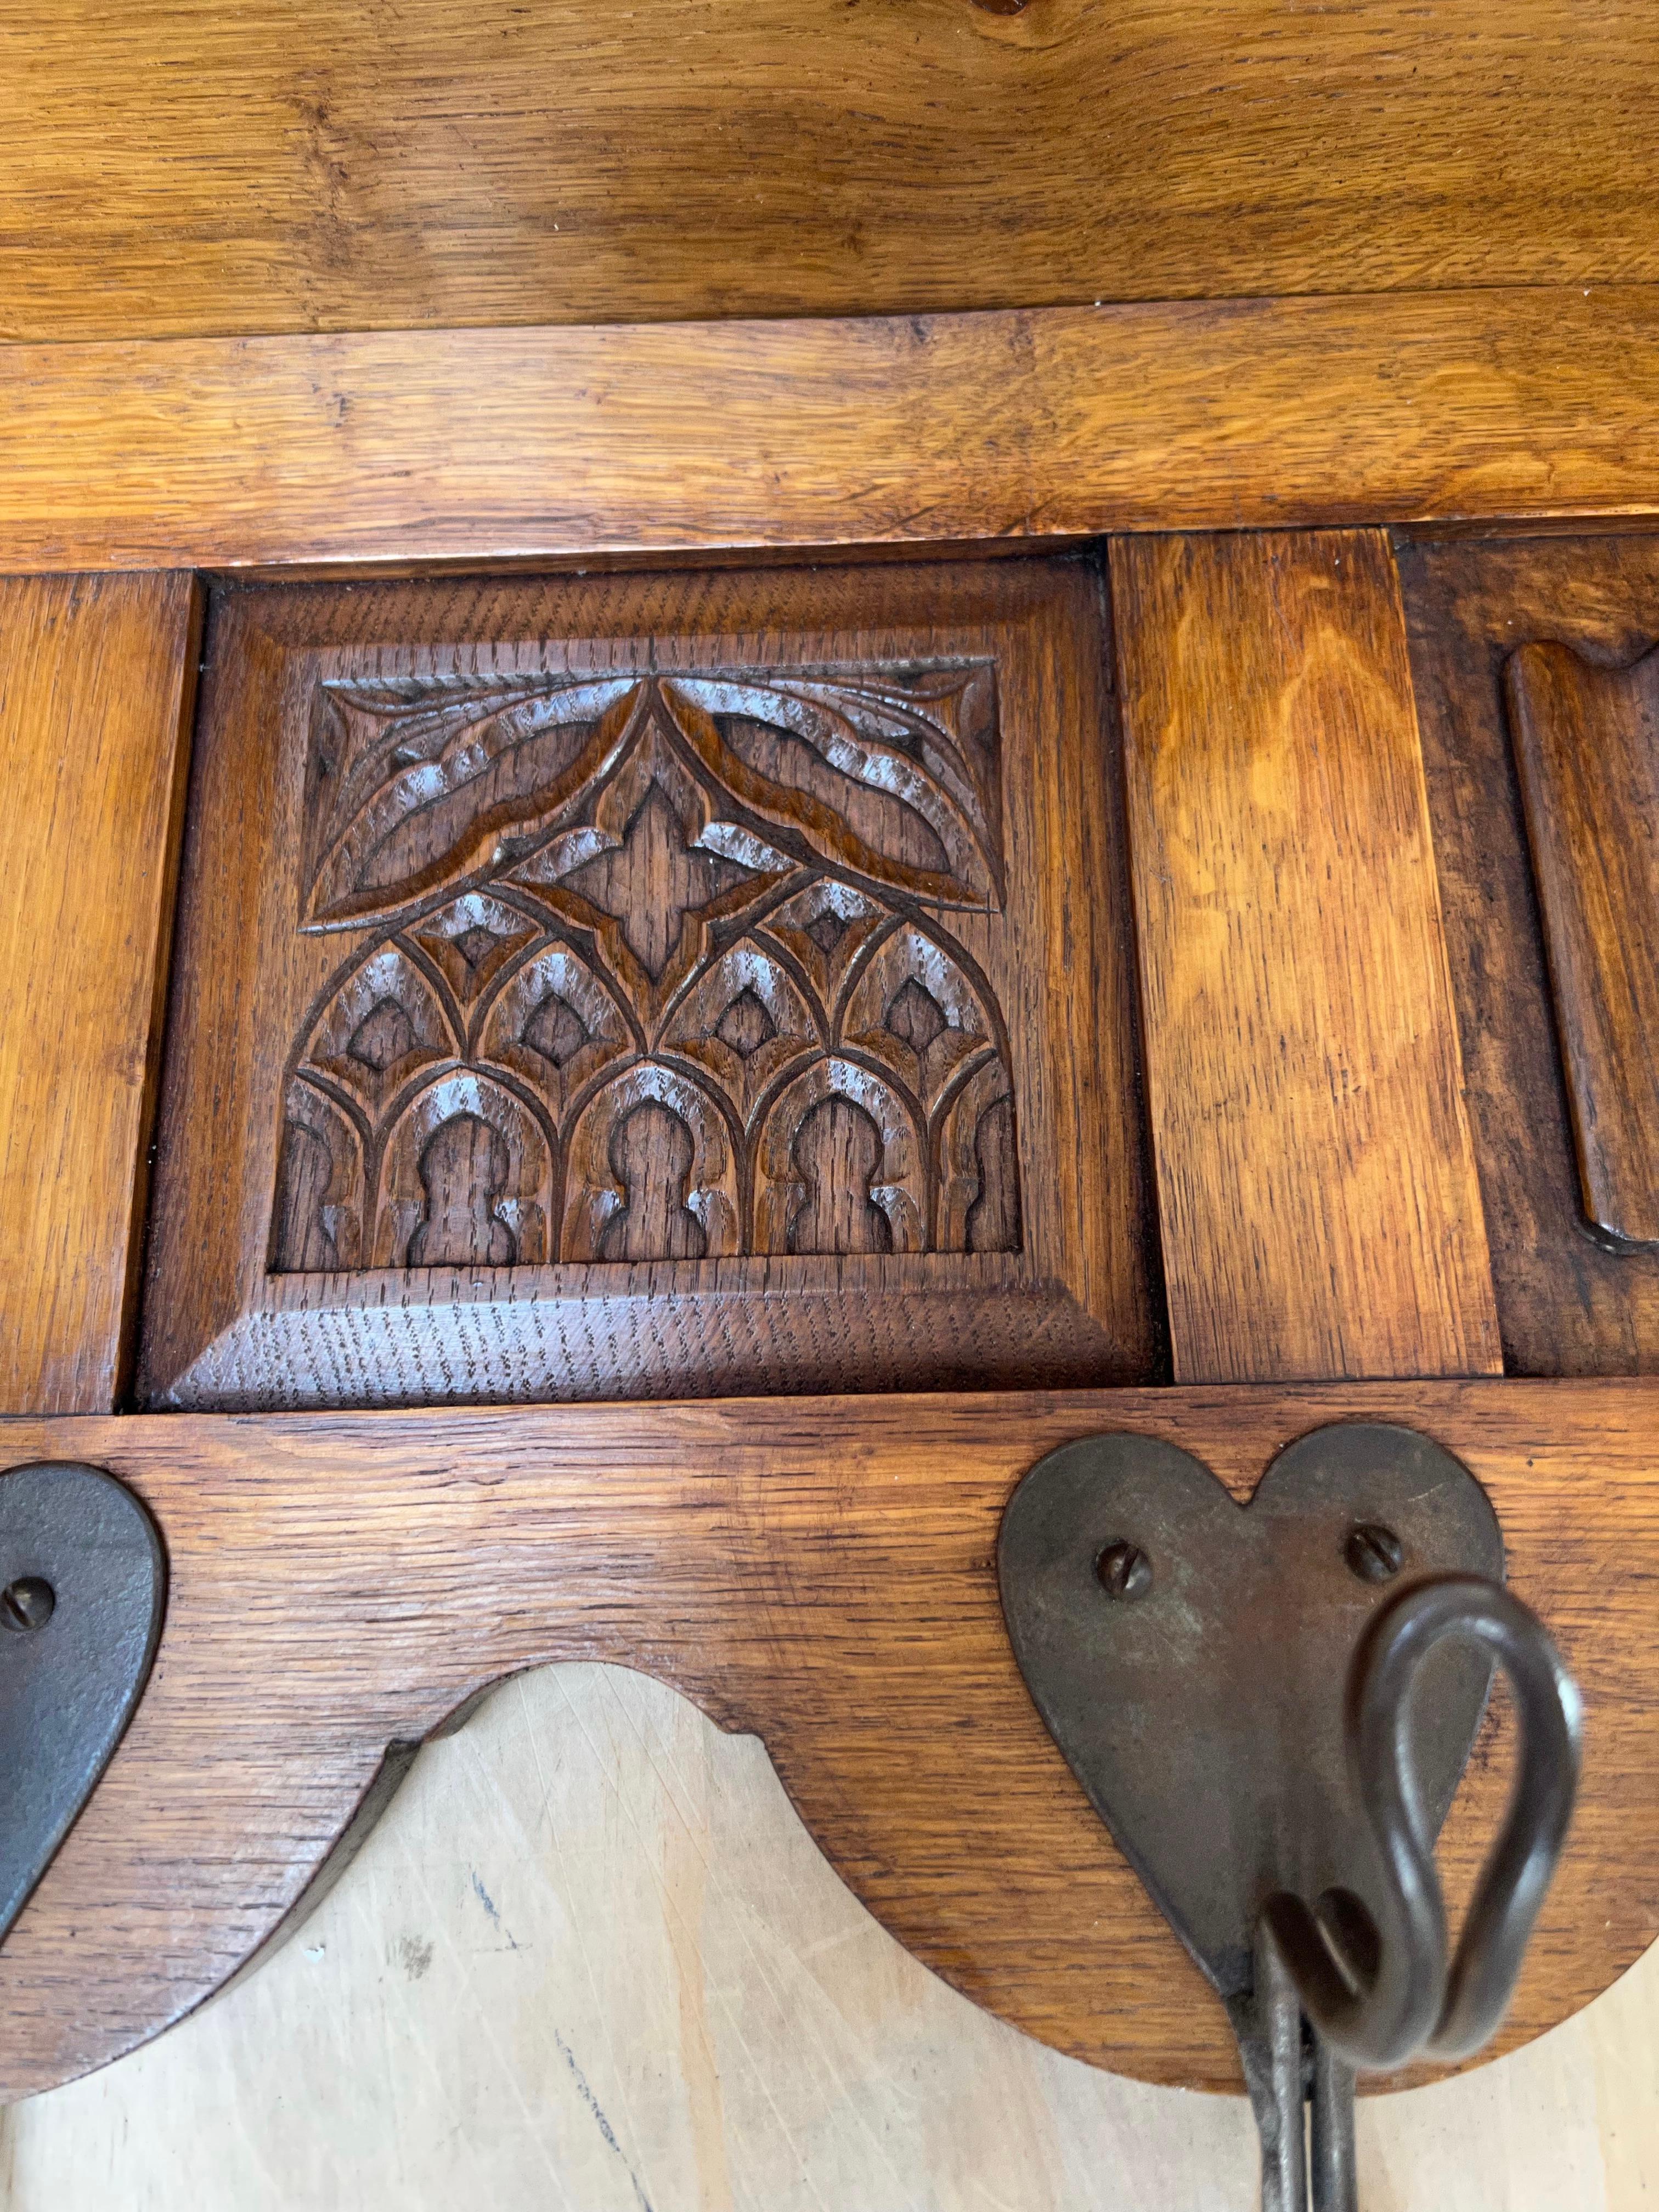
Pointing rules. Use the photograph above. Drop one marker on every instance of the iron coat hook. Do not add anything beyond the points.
(1186, 1654)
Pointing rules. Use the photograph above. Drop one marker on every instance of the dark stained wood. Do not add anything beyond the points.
(1586, 744)
(1320, 1209)
(1569, 1303)
(169, 168)
(653, 987)
(818, 1572)
(97, 676)
(583, 444)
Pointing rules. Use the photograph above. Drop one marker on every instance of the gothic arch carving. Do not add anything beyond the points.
(318, 1219)
(578, 898)
(743, 1023)
(654, 1173)
(467, 1180)
(555, 1025)
(381, 1026)
(838, 1142)
(913, 1009)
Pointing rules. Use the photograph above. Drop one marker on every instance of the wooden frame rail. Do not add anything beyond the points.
(583, 444)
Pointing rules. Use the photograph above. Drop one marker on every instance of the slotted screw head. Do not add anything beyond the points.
(1375, 1553)
(1124, 1570)
(28, 1603)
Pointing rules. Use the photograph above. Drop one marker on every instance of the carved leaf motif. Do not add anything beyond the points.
(649, 981)
(418, 783)
(872, 776)
(412, 785)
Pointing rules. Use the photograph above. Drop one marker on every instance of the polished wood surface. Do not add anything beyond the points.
(1568, 1302)
(470, 446)
(591, 1945)
(1586, 744)
(1319, 1205)
(653, 987)
(97, 676)
(819, 1573)
(294, 167)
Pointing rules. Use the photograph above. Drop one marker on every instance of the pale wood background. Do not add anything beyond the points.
(590, 1960)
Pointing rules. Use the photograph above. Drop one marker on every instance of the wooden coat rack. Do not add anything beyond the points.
(1319, 1022)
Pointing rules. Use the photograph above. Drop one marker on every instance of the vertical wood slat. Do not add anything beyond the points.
(1321, 1213)
(96, 684)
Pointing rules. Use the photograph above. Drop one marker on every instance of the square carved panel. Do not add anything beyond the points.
(627, 987)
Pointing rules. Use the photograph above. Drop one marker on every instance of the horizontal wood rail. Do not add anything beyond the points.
(543, 445)
(818, 1571)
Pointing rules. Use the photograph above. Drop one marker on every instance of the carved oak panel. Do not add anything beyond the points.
(625, 1004)
(656, 972)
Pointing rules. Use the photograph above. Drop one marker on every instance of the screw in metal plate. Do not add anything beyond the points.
(28, 1603)
(1375, 1553)
(1124, 1570)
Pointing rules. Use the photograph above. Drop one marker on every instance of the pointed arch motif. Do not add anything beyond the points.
(913, 1009)
(556, 1026)
(839, 1146)
(318, 1219)
(383, 1023)
(743, 1023)
(652, 1163)
(467, 1179)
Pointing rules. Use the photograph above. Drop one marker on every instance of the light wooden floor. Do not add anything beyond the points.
(590, 1959)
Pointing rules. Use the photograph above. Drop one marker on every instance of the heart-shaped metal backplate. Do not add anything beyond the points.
(82, 1585)
(1203, 1712)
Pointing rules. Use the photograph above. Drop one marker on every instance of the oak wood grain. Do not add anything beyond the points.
(625, 1044)
(1320, 1208)
(1587, 743)
(539, 444)
(818, 1572)
(300, 167)
(97, 676)
(1568, 1303)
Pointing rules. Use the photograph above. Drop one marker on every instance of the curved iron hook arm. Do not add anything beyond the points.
(1381, 2010)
